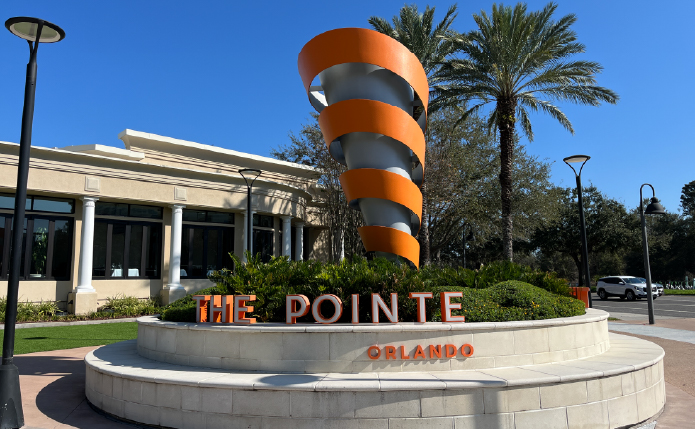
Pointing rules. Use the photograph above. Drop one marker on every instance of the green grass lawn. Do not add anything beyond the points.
(678, 292)
(31, 340)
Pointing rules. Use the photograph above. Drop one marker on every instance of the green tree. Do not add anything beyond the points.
(688, 199)
(418, 32)
(609, 228)
(521, 61)
(671, 241)
(464, 194)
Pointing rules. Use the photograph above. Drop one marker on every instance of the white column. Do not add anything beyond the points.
(175, 248)
(299, 242)
(84, 275)
(286, 235)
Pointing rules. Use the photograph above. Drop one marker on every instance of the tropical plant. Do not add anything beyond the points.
(521, 61)
(418, 32)
(427, 40)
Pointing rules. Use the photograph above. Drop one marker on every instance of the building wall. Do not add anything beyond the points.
(194, 176)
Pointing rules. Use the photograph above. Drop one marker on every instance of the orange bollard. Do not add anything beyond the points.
(582, 294)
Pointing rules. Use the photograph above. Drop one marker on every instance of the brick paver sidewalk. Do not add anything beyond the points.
(52, 386)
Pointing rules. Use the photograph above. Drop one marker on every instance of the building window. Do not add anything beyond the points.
(40, 204)
(127, 249)
(263, 221)
(127, 210)
(46, 249)
(263, 233)
(205, 249)
(263, 244)
(203, 216)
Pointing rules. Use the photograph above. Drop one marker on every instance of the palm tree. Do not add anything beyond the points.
(522, 62)
(429, 42)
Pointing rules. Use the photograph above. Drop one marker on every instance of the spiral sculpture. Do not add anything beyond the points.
(373, 113)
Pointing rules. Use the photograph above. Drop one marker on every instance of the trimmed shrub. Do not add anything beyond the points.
(183, 310)
(515, 300)
(115, 307)
(130, 306)
(271, 282)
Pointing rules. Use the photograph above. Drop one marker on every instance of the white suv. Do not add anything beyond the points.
(627, 287)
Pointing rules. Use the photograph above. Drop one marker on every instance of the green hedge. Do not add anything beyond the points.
(271, 282)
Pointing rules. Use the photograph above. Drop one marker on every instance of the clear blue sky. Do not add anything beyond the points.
(225, 73)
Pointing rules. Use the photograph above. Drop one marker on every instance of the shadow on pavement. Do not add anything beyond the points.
(54, 382)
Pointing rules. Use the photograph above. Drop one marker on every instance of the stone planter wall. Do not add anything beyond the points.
(343, 348)
(584, 377)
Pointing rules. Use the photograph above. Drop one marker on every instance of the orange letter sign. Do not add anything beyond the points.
(447, 306)
(420, 296)
(291, 311)
(201, 307)
(377, 303)
(240, 309)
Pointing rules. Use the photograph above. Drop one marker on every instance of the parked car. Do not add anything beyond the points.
(625, 287)
(659, 288)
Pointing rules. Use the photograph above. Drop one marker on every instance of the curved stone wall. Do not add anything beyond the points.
(344, 348)
(617, 389)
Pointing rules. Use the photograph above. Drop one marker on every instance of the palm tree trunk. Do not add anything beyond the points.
(505, 122)
(424, 229)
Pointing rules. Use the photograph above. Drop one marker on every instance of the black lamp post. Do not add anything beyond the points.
(249, 174)
(654, 207)
(585, 248)
(34, 31)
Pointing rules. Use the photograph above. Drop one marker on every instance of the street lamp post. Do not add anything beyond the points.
(585, 248)
(34, 31)
(249, 174)
(654, 207)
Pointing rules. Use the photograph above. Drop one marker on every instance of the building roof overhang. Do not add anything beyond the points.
(142, 140)
(84, 157)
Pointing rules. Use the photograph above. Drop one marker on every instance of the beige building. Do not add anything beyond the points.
(152, 219)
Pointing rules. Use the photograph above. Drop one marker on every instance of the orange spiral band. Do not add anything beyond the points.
(359, 45)
(359, 115)
(384, 239)
(375, 183)
(369, 116)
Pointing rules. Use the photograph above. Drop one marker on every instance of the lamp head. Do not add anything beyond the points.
(250, 174)
(26, 28)
(577, 158)
(655, 207)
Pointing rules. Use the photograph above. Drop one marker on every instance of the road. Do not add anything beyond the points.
(666, 306)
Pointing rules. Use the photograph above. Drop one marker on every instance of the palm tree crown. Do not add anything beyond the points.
(522, 62)
(417, 32)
